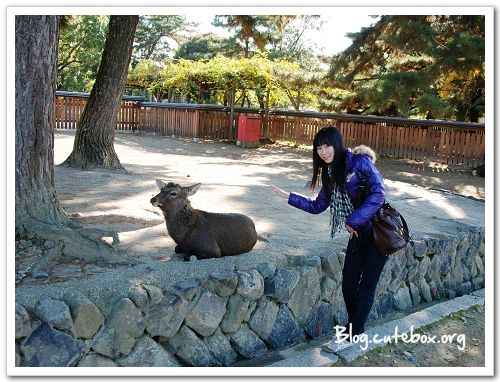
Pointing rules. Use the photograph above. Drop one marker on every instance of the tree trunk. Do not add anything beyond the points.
(95, 133)
(266, 116)
(36, 57)
(39, 215)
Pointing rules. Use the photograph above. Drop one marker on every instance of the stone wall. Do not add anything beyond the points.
(229, 316)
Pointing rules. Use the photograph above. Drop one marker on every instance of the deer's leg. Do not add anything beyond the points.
(205, 249)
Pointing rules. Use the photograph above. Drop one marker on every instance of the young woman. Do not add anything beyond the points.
(341, 171)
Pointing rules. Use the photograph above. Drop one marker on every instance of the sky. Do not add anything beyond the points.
(329, 40)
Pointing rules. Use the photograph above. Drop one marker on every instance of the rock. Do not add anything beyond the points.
(95, 360)
(434, 290)
(166, 315)
(446, 264)
(220, 347)
(207, 313)
(306, 294)
(338, 306)
(280, 285)
(477, 282)
(423, 266)
(434, 267)
(148, 353)
(425, 290)
(251, 308)
(455, 277)
(266, 269)
(420, 247)
(465, 272)
(285, 331)
(398, 280)
(40, 275)
(87, 318)
(412, 270)
(191, 349)
(264, 317)
(341, 257)
(54, 312)
(250, 284)
(247, 343)
(332, 267)
(23, 325)
(385, 304)
(479, 265)
(236, 311)
(154, 293)
(327, 286)
(223, 283)
(415, 295)
(124, 324)
(464, 288)
(450, 293)
(399, 272)
(402, 299)
(47, 347)
(320, 321)
(139, 296)
(188, 288)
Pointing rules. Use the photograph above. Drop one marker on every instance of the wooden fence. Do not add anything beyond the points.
(437, 141)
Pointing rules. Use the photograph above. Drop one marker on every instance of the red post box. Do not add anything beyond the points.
(248, 131)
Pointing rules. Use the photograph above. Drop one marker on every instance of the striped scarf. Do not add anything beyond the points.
(340, 208)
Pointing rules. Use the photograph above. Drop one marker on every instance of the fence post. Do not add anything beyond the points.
(196, 130)
(298, 124)
(231, 115)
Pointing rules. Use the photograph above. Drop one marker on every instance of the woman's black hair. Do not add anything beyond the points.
(331, 136)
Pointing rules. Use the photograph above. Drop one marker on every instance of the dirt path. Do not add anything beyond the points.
(466, 350)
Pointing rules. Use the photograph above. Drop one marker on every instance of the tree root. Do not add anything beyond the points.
(79, 243)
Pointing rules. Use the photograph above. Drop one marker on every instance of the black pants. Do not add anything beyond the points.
(362, 268)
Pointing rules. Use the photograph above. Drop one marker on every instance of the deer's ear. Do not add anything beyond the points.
(191, 190)
(160, 184)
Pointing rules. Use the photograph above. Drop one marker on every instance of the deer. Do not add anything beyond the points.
(201, 233)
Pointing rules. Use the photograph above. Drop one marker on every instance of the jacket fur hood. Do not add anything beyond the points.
(365, 150)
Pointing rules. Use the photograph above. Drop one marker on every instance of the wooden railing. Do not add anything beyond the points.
(424, 140)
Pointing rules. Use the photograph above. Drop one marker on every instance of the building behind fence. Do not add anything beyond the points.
(456, 143)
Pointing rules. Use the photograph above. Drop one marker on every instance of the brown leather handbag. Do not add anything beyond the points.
(390, 231)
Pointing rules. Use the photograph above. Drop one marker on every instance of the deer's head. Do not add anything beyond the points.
(172, 195)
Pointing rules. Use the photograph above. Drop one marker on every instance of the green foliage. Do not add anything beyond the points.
(414, 66)
(251, 32)
(288, 42)
(80, 48)
(204, 47)
(212, 81)
(157, 36)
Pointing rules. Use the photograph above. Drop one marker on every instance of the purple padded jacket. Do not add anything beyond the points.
(359, 160)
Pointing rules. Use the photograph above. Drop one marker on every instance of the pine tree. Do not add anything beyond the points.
(424, 66)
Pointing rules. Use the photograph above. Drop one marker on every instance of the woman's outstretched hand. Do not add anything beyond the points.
(278, 191)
